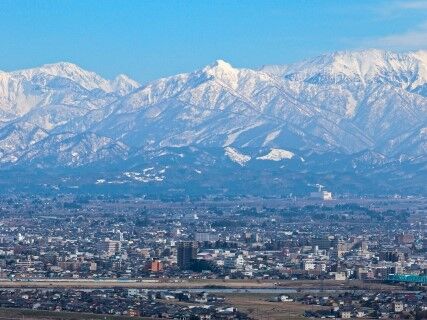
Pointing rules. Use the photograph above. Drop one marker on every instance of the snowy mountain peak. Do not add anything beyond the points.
(59, 69)
(219, 68)
(123, 84)
(87, 79)
(366, 63)
(63, 67)
(222, 71)
(364, 66)
(124, 78)
(221, 64)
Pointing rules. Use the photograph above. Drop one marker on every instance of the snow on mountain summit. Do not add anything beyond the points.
(405, 70)
(219, 67)
(222, 71)
(122, 84)
(87, 79)
(220, 64)
(60, 83)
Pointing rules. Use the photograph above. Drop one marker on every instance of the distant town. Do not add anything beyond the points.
(241, 258)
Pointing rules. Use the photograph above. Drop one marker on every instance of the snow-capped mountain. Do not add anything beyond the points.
(34, 102)
(57, 84)
(347, 116)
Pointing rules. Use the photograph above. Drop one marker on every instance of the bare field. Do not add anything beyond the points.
(258, 307)
(28, 314)
(183, 284)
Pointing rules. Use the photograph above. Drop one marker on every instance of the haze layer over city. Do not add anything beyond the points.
(204, 160)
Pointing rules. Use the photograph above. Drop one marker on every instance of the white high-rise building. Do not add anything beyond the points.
(205, 237)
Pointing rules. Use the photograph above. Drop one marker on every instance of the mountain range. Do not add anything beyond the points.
(354, 121)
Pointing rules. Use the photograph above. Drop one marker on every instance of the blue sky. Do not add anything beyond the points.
(152, 39)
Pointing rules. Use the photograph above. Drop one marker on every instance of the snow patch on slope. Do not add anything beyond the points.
(277, 155)
(271, 136)
(231, 138)
(236, 156)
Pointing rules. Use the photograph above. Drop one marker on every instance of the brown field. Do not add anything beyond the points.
(258, 307)
(28, 314)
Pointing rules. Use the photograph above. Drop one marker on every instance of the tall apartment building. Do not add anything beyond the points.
(186, 254)
(156, 266)
(110, 247)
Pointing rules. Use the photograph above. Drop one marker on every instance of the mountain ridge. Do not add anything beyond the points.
(367, 110)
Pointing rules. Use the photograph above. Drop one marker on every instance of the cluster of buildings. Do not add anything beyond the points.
(370, 305)
(123, 302)
(75, 238)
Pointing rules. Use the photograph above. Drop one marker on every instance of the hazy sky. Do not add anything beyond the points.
(151, 39)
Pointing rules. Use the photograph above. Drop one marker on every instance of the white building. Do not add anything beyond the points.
(398, 306)
(340, 276)
(240, 262)
(321, 195)
(308, 264)
(205, 237)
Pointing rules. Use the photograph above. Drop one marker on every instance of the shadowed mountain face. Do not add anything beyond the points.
(354, 121)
